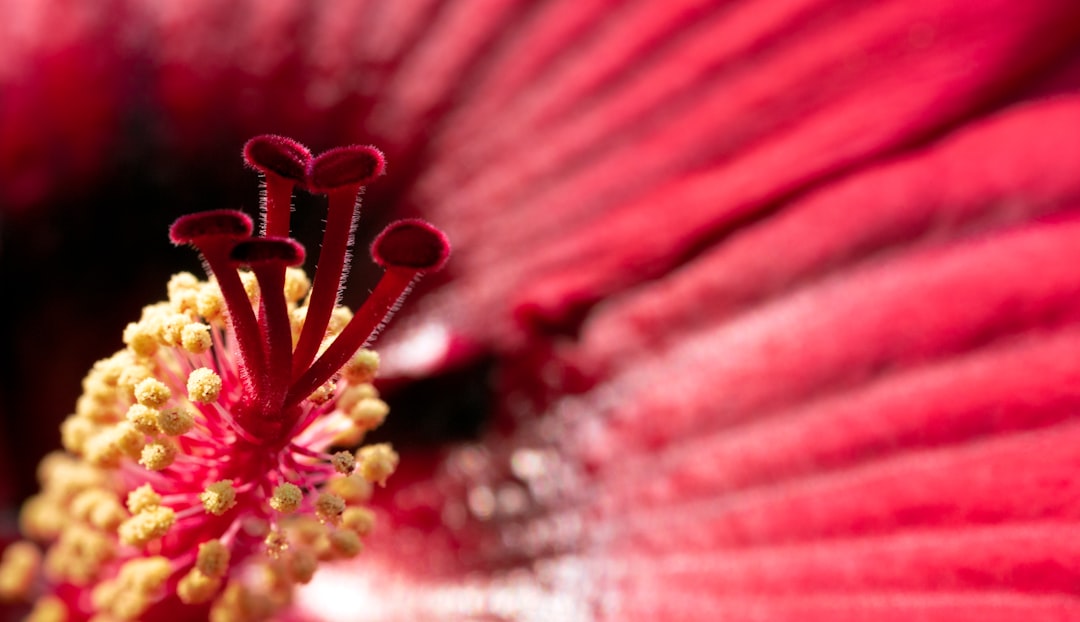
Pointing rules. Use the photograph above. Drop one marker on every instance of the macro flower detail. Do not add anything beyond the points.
(760, 311)
(199, 477)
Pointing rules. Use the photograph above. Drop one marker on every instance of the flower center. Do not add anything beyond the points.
(202, 449)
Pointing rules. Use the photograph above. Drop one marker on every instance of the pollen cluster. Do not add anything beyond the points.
(207, 461)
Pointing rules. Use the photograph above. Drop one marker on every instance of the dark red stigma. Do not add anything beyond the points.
(345, 168)
(277, 155)
(413, 244)
(192, 228)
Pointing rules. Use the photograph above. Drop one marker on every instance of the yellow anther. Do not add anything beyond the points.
(369, 413)
(129, 606)
(153, 314)
(236, 603)
(145, 574)
(135, 587)
(143, 418)
(152, 393)
(142, 339)
(96, 410)
(196, 587)
(75, 431)
(329, 507)
(348, 436)
(131, 376)
(204, 386)
(142, 498)
(195, 338)
(95, 387)
(102, 450)
(297, 284)
(183, 288)
(109, 370)
(344, 462)
(377, 462)
(345, 543)
(116, 601)
(181, 281)
(209, 302)
(98, 507)
(18, 570)
(251, 285)
(276, 544)
(147, 525)
(48, 609)
(63, 476)
(360, 520)
(55, 464)
(159, 455)
(107, 516)
(353, 489)
(301, 565)
(171, 328)
(128, 438)
(362, 367)
(104, 594)
(219, 497)
(323, 394)
(297, 317)
(354, 393)
(42, 518)
(286, 498)
(213, 558)
(322, 549)
(305, 530)
(274, 584)
(175, 421)
(78, 555)
(339, 319)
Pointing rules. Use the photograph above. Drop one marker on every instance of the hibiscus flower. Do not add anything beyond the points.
(767, 308)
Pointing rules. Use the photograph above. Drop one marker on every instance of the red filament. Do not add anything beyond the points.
(430, 253)
(339, 173)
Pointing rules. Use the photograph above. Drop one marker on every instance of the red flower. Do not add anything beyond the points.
(776, 296)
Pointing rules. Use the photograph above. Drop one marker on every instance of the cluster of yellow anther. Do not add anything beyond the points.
(137, 585)
(359, 401)
(18, 570)
(176, 323)
(286, 498)
(203, 581)
(127, 412)
(136, 408)
(149, 524)
(303, 541)
(377, 462)
(336, 524)
(49, 609)
(127, 409)
(294, 547)
(78, 512)
(219, 497)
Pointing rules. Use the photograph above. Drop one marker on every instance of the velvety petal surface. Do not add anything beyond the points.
(849, 396)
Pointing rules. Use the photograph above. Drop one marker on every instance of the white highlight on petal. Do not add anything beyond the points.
(417, 353)
(369, 590)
